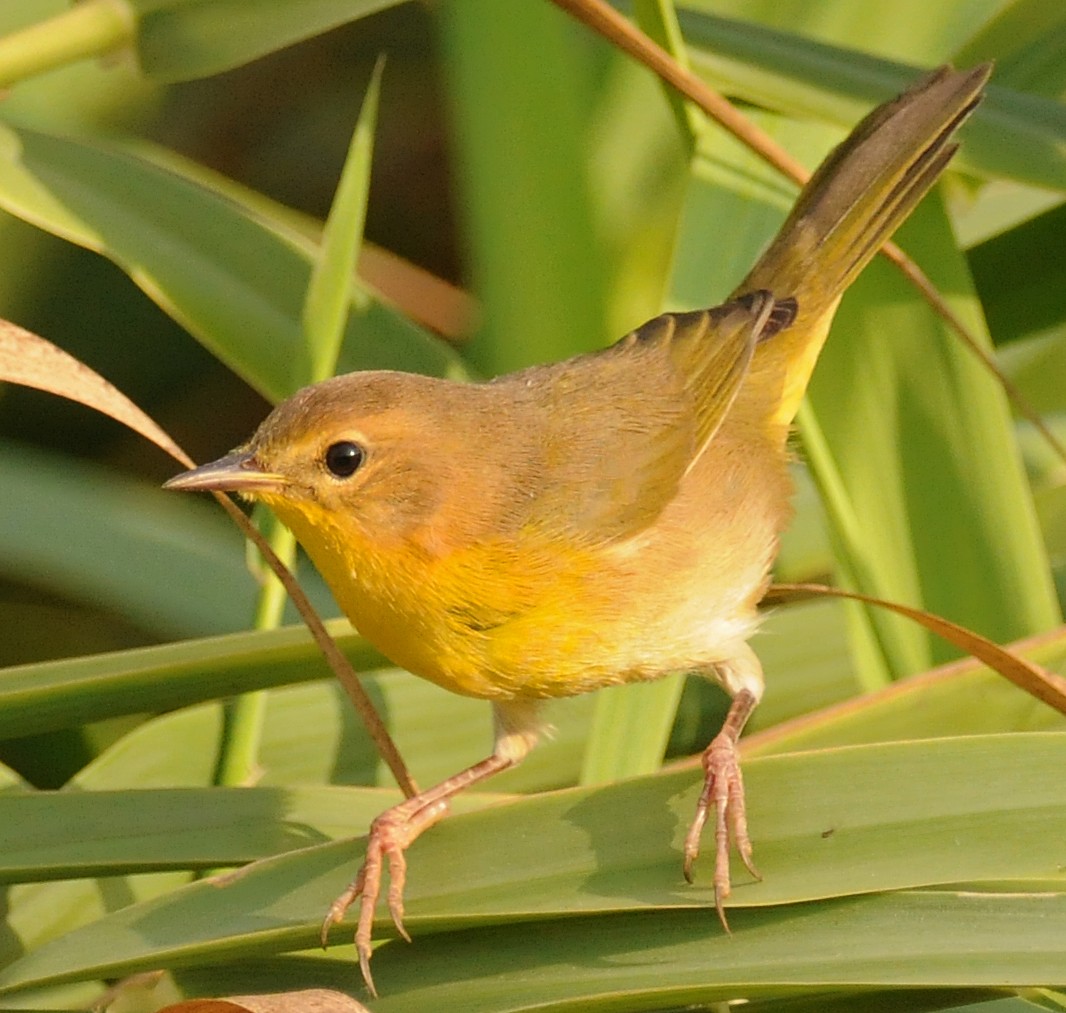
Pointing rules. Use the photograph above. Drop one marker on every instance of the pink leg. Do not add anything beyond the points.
(390, 835)
(723, 787)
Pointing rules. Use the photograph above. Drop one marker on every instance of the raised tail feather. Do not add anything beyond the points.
(846, 212)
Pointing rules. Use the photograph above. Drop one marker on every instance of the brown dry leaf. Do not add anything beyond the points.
(313, 1000)
(31, 361)
(1036, 680)
(205, 1006)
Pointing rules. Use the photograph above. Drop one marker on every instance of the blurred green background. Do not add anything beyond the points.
(280, 125)
(524, 161)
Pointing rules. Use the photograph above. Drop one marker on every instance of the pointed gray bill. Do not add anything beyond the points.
(236, 472)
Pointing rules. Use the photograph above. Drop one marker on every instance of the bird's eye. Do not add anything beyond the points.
(344, 458)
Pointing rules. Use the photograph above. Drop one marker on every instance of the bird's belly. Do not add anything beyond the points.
(573, 634)
(629, 630)
(534, 618)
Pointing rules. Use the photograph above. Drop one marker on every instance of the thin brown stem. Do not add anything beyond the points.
(1047, 686)
(616, 29)
(336, 660)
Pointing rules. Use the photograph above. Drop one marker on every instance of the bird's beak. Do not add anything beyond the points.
(236, 472)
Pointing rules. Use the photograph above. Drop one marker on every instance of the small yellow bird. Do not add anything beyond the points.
(603, 520)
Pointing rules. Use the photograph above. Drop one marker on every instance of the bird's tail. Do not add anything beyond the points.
(849, 208)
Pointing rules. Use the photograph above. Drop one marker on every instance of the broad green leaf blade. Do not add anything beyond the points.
(998, 208)
(540, 274)
(967, 809)
(330, 292)
(1022, 295)
(837, 956)
(1013, 134)
(1035, 364)
(630, 730)
(740, 202)
(62, 694)
(149, 757)
(182, 39)
(311, 736)
(290, 973)
(911, 1000)
(311, 733)
(166, 545)
(38, 912)
(223, 273)
(658, 20)
(1026, 40)
(10, 781)
(68, 834)
(910, 31)
(962, 698)
(647, 961)
(806, 660)
(912, 423)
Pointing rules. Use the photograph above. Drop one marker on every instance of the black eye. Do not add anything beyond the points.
(345, 458)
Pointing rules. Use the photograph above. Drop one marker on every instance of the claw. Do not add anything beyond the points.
(364, 966)
(335, 914)
(391, 834)
(723, 788)
(397, 881)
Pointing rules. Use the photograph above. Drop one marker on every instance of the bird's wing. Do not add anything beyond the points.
(712, 350)
(620, 428)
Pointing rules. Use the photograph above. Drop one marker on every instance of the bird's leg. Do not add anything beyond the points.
(723, 788)
(396, 829)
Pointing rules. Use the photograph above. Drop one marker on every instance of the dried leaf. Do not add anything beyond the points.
(314, 1000)
(1036, 680)
(31, 361)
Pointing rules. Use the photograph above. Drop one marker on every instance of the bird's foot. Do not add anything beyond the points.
(723, 788)
(390, 836)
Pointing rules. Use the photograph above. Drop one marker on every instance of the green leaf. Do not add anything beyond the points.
(67, 834)
(329, 294)
(962, 698)
(631, 729)
(910, 30)
(827, 824)
(167, 545)
(182, 39)
(671, 961)
(644, 960)
(441, 732)
(1013, 134)
(1015, 274)
(62, 694)
(541, 277)
(909, 421)
(230, 279)
(1026, 40)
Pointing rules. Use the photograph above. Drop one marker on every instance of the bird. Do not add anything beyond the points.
(602, 520)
